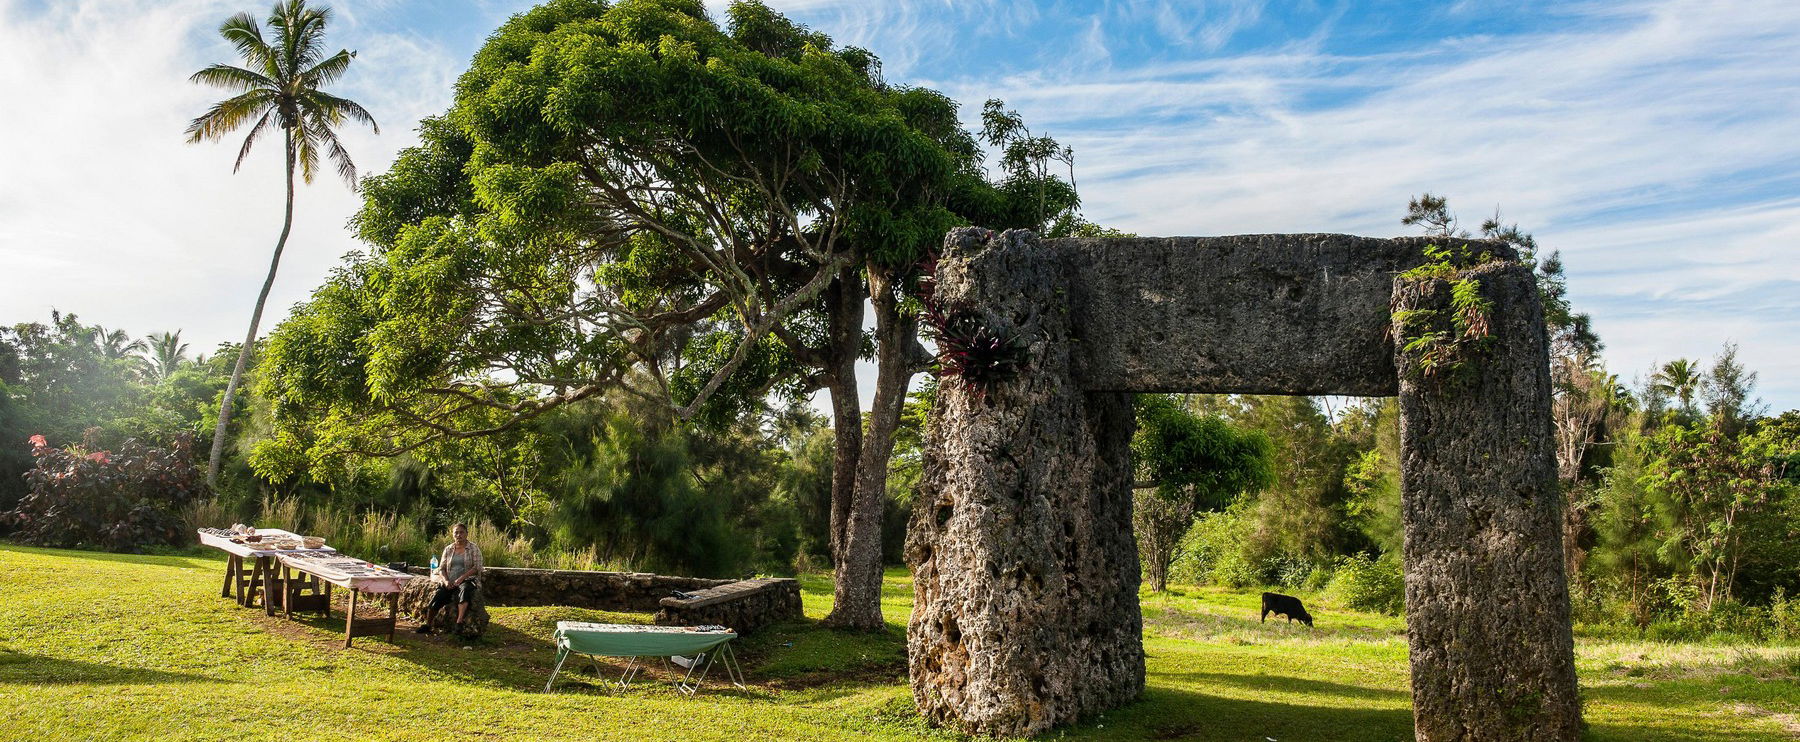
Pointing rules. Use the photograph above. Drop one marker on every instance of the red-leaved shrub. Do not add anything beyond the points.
(120, 500)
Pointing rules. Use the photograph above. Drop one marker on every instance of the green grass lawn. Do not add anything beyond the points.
(101, 646)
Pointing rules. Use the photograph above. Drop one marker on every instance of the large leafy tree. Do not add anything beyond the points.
(279, 84)
(628, 196)
(1187, 464)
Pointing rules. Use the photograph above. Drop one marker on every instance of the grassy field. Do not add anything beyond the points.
(101, 646)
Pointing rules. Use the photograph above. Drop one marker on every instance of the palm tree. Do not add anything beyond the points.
(279, 83)
(165, 355)
(1680, 379)
(115, 344)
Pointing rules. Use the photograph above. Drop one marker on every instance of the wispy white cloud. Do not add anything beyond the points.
(1654, 143)
(105, 211)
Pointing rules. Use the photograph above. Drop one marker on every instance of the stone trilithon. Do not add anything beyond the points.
(1025, 571)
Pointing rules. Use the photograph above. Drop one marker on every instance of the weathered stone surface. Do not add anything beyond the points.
(639, 592)
(415, 599)
(1487, 605)
(1247, 314)
(1025, 573)
(744, 606)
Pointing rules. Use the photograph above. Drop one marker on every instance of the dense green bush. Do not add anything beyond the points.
(121, 500)
(1369, 584)
(1209, 544)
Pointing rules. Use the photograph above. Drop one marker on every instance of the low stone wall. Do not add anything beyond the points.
(744, 606)
(633, 592)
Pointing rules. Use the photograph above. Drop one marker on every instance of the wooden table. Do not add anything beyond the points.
(256, 581)
(354, 575)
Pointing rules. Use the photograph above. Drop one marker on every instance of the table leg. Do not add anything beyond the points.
(256, 582)
(350, 620)
(287, 593)
(231, 560)
(393, 614)
(268, 594)
(326, 610)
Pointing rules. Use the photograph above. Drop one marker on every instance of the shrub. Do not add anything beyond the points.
(1369, 584)
(121, 500)
(1211, 552)
(1291, 571)
(1234, 569)
(1728, 620)
(1784, 616)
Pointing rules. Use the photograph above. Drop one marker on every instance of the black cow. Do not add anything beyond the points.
(1285, 605)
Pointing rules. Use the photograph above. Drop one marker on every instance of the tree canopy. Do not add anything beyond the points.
(614, 181)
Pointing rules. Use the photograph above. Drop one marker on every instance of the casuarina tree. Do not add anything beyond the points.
(279, 86)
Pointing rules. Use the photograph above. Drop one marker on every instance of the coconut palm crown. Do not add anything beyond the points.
(279, 83)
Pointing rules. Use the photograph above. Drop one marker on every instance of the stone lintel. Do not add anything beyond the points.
(1244, 314)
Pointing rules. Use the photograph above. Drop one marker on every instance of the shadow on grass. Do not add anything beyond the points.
(1175, 714)
(806, 653)
(1286, 684)
(17, 668)
(790, 655)
(1171, 713)
(1167, 713)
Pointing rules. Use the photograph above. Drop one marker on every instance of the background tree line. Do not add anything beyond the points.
(1682, 505)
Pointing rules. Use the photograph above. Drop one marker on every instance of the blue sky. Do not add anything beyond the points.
(1655, 143)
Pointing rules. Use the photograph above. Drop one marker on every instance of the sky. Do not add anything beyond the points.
(1655, 144)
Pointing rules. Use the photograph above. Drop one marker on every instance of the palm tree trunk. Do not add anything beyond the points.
(237, 371)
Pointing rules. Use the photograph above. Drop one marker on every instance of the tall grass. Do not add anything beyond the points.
(208, 513)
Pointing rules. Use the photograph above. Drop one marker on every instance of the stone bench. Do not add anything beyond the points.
(744, 606)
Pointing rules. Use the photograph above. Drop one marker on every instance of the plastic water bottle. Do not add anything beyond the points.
(434, 564)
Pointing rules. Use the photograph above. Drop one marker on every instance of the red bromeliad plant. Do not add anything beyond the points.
(119, 500)
(968, 347)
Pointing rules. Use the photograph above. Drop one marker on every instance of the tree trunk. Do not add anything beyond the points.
(844, 314)
(857, 602)
(237, 371)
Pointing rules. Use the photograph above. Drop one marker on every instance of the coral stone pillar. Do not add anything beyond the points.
(1025, 572)
(1487, 604)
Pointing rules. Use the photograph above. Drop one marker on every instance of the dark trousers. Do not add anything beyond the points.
(447, 595)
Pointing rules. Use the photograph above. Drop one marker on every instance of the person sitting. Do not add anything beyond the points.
(457, 577)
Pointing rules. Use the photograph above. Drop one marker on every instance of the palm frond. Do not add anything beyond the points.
(231, 78)
(241, 30)
(299, 31)
(229, 114)
(324, 73)
(306, 148)
(338, 109)
(340, 157)
(250, 139)
(309, 47)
